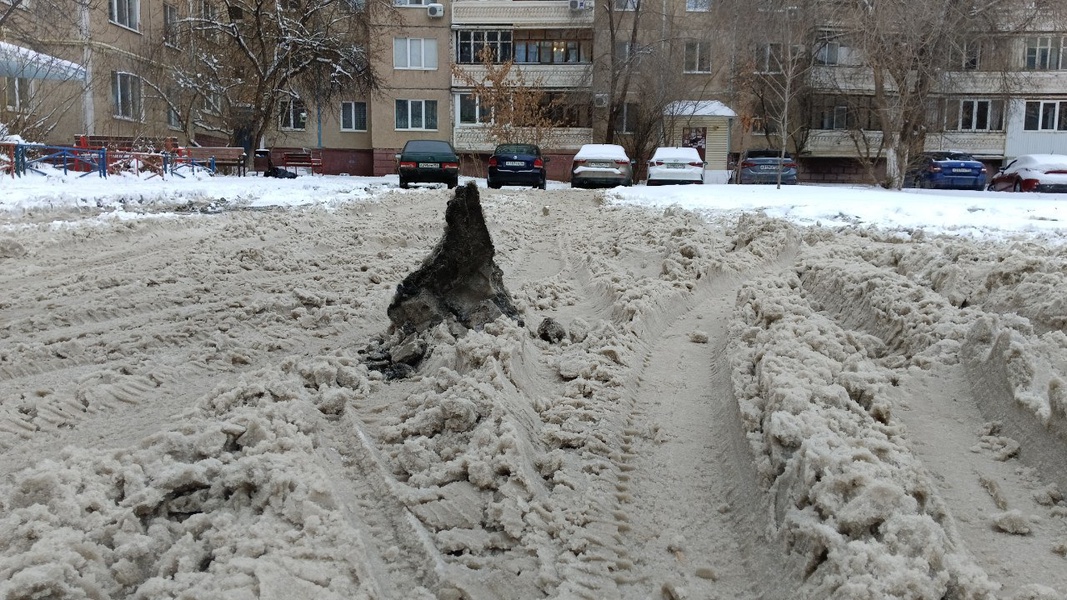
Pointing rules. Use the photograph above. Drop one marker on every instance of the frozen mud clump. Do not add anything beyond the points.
(459, 284)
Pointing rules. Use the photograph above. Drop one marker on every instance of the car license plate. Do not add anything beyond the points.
(961, 170)
(675, 166)
(514, 163)
(599, 165)
(429, 165)
(768, 167)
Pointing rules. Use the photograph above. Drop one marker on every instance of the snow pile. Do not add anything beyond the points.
(855, 509)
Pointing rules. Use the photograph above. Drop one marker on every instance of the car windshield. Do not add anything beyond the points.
(427, 146)
(517, 149)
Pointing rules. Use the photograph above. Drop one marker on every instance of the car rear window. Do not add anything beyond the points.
(517, 149)
(951, 156)
(427, 146)
(766, 154)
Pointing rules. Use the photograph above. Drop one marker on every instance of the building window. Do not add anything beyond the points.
(1045, 116)
(126, 91)
(769, 58)
(697, 5)
(18, 93)
(170, 25)
(212, 102)
(1042, 53)
(625, 4)
(627, 119)
(125, 12)
(981, 115)
(471, 43)
(174, 120)
(827, 52)
(415, 53)
(416, 114)
(971, 55)
(697, 57)
(471, 111)
(553, 46)
(353, 116)
(832, 116)
(293, 115)
(411, 2)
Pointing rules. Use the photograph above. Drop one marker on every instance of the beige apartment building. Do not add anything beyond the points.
(677, 77)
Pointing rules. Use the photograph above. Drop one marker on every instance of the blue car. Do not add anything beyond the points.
(947, 170)
(517, 164)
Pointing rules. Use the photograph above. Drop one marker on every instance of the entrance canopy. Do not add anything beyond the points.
(16, 61)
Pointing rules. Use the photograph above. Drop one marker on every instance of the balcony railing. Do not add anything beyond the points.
(559, 76)
(474, 138)
(520, 14)
(839, 142)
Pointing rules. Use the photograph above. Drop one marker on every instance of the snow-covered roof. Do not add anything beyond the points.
(612, 151)
(16, 61)
(698, 108)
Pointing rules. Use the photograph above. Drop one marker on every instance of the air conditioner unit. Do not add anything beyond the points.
(435, 10)
(599, 100)
(578, 4)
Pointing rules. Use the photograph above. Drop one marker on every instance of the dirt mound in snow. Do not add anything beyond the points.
(728, 410)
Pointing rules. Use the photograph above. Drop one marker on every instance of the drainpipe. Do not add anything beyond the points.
(88, 107)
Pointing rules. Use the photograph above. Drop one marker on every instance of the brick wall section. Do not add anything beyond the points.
(385, 161)
(836, 170)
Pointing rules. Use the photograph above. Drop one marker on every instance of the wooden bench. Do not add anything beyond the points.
(211, 158)
(126, 153)
(311, 159)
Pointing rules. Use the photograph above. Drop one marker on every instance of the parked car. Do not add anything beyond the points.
(762, 166)
(1032, 173)
(675, 165)
(601, 165)
(428, 161)
(947, 170)
(517, 164)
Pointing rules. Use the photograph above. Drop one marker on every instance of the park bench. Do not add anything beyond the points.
(211, 158)
(126, 153)
(311, 159)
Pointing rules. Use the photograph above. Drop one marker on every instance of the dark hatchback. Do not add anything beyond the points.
(428, 161)
(517, 164)
(947, 170)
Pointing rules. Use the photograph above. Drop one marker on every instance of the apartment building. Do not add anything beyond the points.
(674, 72)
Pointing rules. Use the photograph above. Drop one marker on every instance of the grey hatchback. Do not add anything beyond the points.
(762, 166)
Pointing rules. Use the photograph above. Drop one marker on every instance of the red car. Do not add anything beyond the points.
(1032, 173)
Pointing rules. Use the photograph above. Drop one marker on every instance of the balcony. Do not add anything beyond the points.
(839, 143)
(522, 14)
(561, 76)
(473, 139)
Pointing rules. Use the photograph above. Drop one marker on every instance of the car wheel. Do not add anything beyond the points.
(543, 184)
(494, 185)
(1018, 187)
(404, 183)
(453, 183)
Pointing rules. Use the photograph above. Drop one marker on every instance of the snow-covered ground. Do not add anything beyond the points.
(808, 392)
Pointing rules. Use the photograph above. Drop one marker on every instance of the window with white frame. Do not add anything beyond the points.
(827, 50)
(833, 117)
(416, 114)
(471, 43)
(125, 12)
(293, 115)
(1043, 53)
(470, 110)
(18, 93)
(212, 102)
(353, 116)
(553, 46)
(174, 120)
(697, 57)
(626, 4)
(415, 53)
(981, 115)
(126, 95)
(626, 122)
(170, 25)
(1045, 115)
(697, 5)
(971, 55)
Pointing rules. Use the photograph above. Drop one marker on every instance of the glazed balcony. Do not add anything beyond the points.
(555, 76)
(521, 14)
(473, 138)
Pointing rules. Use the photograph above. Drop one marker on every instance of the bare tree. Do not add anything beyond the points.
(516, 110)
(905, 49)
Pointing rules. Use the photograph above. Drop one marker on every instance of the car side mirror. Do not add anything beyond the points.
(396, 156)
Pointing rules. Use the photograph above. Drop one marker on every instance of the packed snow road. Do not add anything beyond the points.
(740, 408)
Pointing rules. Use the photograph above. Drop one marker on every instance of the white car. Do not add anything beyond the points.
(670, 164)
(601, 165)
(1032, 173)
